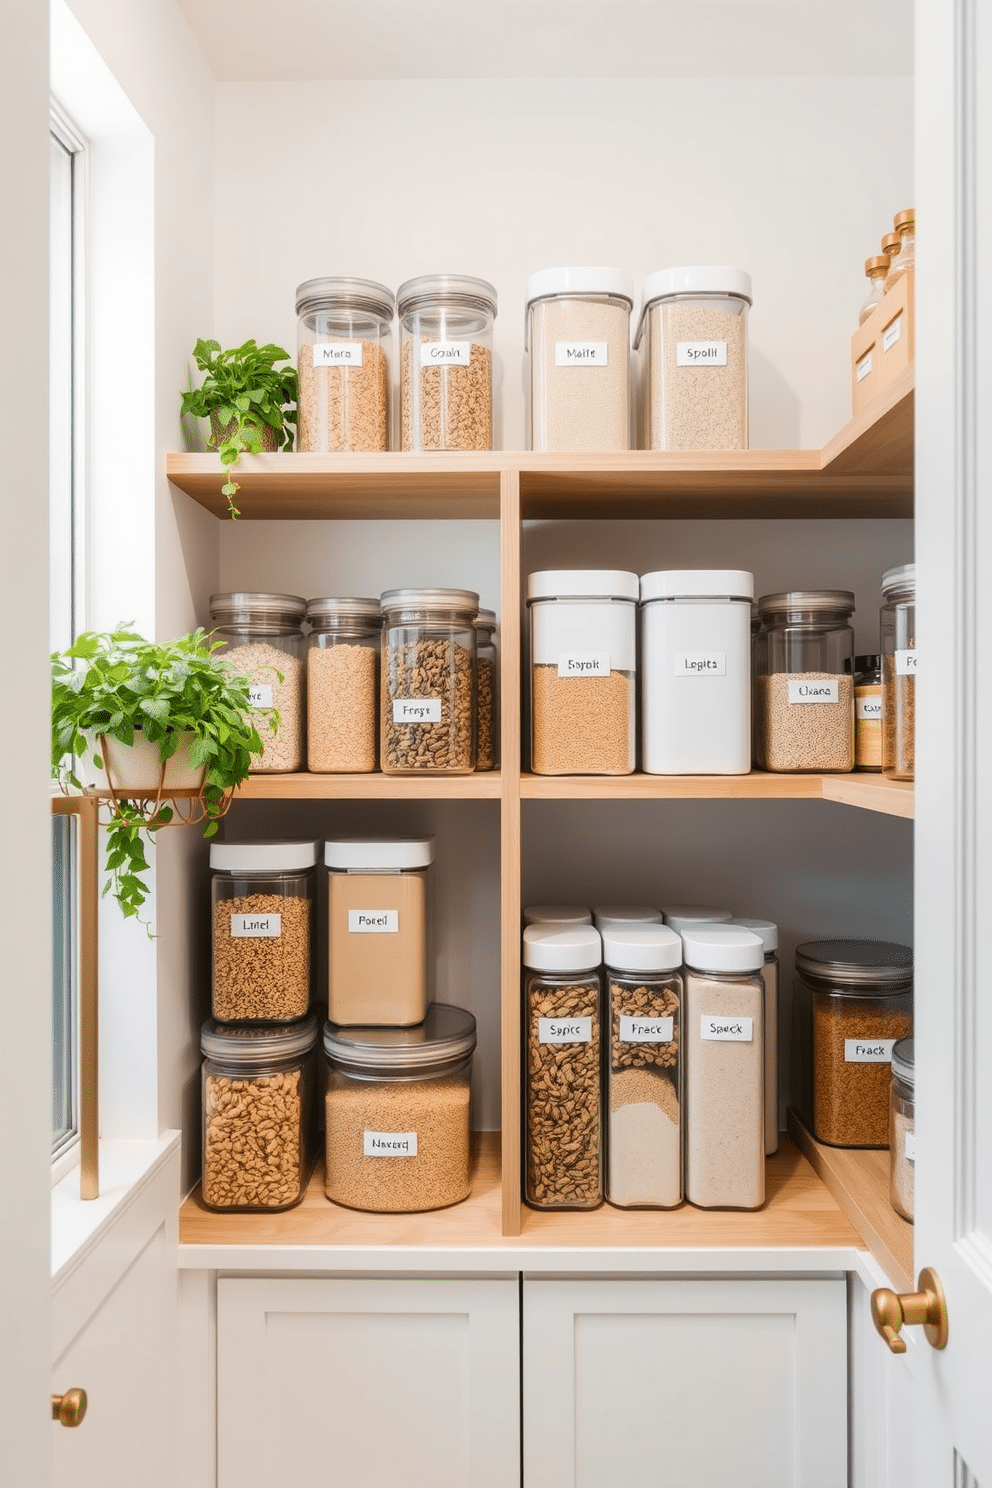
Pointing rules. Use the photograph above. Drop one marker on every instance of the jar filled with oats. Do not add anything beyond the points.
(486, 713)
(803, 683)
(263, 640)
(446, 356)
(578, 355)
(343, 685)
(898, 627)
(262, 895)
(428, 681)
(343, 336)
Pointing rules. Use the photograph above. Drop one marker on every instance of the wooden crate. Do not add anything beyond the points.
(884, 345)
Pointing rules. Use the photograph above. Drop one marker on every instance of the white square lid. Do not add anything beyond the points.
(263, 857)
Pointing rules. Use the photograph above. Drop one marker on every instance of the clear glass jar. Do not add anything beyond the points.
(583, 633)
(890, 247)
(577, 343)
(398, 1113)
(446, 323)
(377, 923)
(258, 1107)
(428, 681)
(343, 685)
(804, 692)
(898, 639)
(264, 923)
(767, 932)
(875, 271)
(486, 712)
(343, 336)
(643, 1095)
(692, 339)
(902, 1129)
(263, 637)
(904, 258)
(867, 712)
(563, 1117)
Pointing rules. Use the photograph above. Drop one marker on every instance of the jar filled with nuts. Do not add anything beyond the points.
(803, 687)
(446, 379)
(258, 1089)
(263, 639)
(263, 930)
(898, 627)
(343, 685)
(343, 340)
(487, 729)
(428, 681)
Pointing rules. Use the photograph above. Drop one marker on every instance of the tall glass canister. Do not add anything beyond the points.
(804, 690)
(898, 627)
(343, 339)
(263, 639)
(343, 685)
(428, 681)
(446, 355)
(264, 930)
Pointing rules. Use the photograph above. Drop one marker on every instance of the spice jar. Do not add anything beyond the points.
(446, 323)
(902, 1129)
(485, 673)
(625, 916)
(692, 338)
(643, 1067)
(890, 247)
(563, 1127)
(578, 347)
(724, 1059)
(559, 915)
(696, 672)
(377, 929)
(428, 681)
(343, 335)
(904, 258)
(898, 627)
(854, 999)
(398, 1113)
(343, 685)
(264, 642)
(875, 270)
(867, 712)
(583, 671)
(262, 894)
(804, 692)
(767, 932)
(681, 917)
(258, 1089)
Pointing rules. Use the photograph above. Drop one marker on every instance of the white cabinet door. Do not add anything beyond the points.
(685, 1384)
(373, 1382)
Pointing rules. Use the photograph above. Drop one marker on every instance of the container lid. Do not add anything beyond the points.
(806, 599)
(625, 915)
(486, 620)
(715, 279)
(879, 264)
(682, 916)
(697, 583)
(870, 968)
(346, 294)
(544, 283)
(766, 930)
(557, 914)
(647, 948)
(258, 1043)
(267, 606)
(263, 857)
(465, 601)
(894, 580)
(890, 243)
(582, 583)
(722, 948)
(867, 663)
(382, 853)
(474, 294)
(446, 1036)
(553, 948)
(343, 609)
(903, 220)
(904, 1060)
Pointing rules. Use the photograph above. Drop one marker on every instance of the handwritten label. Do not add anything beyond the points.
(862, 369)
(390, 1144)
(726, 1030)
(700, 353)
(583, 663)
(338, 353)
(892, 333)
(373, 921)
(868, 1051)
(445, 353)
(256, 927)
(581, 353)
(564, 1030)
(416, 710)
(260, 697)
(868, 707)
(813, 692)
(646, 1030)
(905, 663)
(700, 663)
(909, 1146)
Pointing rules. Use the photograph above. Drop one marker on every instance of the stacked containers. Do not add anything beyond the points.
(343, 685)
(428, 681)
(804, 690)
(264, 640)
(898, 627)
(344, 330)
(262, 894)
(578, 344)
(446, 359)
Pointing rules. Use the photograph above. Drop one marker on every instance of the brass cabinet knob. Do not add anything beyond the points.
(890, 1310)
(70, 1408)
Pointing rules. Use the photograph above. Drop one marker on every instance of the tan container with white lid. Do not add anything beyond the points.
(578, 346)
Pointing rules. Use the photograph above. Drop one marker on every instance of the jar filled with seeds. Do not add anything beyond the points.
(803, 687)
(446, 323)
(343, 685)
(692, 340)
(902, 1129)
(876, 269)
(343, 337)
(262, 895)
(398, 1113)
(643, 1093)
(263, 640)
(583, 632)
(578, 348)
(486, 716)
(767, 931)
(557, 915)
(898, 626)
(428, 681)
(258, 1109)
(563, 1124)
(867, 675)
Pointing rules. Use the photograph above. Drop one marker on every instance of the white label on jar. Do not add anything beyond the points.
(583, 663)
(700, 353)
(390, 1144)
(338, 353)
(905, 663)
(726, 1030)
(910, 1146)
(260, 697)
(813, 692)
(646, 1030)
(862, 369)
(256, 927)
(868, 1051)
(438, 353)
(868, 707)
(892, 333)
(564, 1030)
(373, 921)
(582, 353)
(700, 663)
(416, 710)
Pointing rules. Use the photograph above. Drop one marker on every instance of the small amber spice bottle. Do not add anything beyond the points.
(868, 713)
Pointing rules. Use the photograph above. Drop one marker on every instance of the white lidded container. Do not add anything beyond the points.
(578, 347)
(683, 917)
(768, 931)
(263, 935)
(696, 672)
(583, 633)
(557, 916)
(625, 916)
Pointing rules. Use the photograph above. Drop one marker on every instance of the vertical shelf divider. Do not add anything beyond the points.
(509, 693)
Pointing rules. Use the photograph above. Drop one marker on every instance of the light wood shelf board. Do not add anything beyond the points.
(872, 793)
(757, 786)
(510, 849)
(483, 786)
(878, 443)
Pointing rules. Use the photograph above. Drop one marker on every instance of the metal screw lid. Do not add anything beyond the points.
(899, 580)
(866, 968)
(457, 289)
(868, 663)
(904, 1060)
(817, 600)
(332, 609)
(240, 603)
(259, 1043)
(344, 293)
(463, 601)
(446, 1036)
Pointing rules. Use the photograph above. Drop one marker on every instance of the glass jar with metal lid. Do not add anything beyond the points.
(398, 1113)
(343, 685)
(343, 336)
(804, 692)
(264, 641)
(446, 354)
(258, 1108)
(577, 342)
(890, 247)
(902, 1129)
(904, 258)
(486, 712)
(867, 674)
(876, 269)
(428, 681)
(264, 922)
(898, 642)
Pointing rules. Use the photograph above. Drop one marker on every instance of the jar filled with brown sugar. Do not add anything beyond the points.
(344, 333)
(343, 685)
(803, 688)
(427, 714)
(899, 666)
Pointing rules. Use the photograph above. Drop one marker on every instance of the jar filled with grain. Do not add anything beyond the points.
(343, 338)
(563, 1123)
(803, 688)
(557, 915)
(904, 258)
(577, 342)
(898, 639)
(258, 1108)
(428, 681)
(867, 675)
(767, 932)
(583, 632)
(264, 921)
(643, 1095)
(902, 1129)
(263, 640)
(398, 1113)
(692, 343)
(446, 355)
(486, 713)
(343, 685)
(876, 269)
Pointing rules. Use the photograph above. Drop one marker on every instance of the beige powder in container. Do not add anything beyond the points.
(696, 407)
(584, 405)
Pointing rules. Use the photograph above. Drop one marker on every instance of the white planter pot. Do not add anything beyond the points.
(137, 767)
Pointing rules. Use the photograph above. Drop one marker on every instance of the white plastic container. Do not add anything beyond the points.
(625, 916)
(557, 916)
(578, 345)
(696, 672)
(768, 932)
(682, 917)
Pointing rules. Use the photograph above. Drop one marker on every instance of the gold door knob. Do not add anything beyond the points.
(889, 1311)
(70, 1408)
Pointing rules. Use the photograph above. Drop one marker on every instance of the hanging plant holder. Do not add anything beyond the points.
(137, 776)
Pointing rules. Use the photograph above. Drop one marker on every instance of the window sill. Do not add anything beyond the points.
(77, 1224)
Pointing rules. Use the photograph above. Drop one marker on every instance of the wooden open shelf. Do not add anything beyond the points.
(485, 786)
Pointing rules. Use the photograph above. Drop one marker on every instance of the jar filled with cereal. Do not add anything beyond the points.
(262, 637)
(343, 337)
(262, 895)
(428, 681)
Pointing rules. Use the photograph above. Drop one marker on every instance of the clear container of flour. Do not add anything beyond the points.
(902, 1129)
(343, 685)
(643, 1096)
(428, 681)
(583, 630)
(898, 629)
(264, 923)
(446, 361)
(692, 343)
(803, 687)
(343, 340)
(486, 711)
(767, 930)
(578, 348)
(263, 639)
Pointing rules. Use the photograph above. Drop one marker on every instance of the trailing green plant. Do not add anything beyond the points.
(245, 392)
(119, 685)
